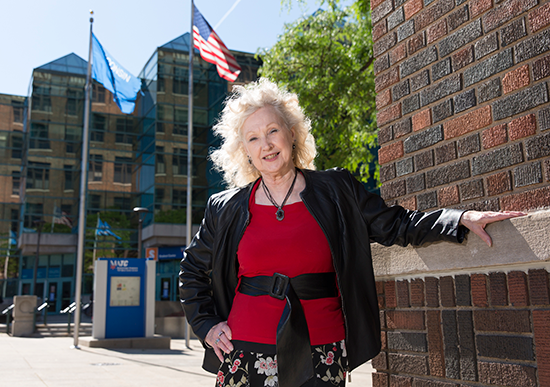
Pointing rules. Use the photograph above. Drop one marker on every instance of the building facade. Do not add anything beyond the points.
(135, 160)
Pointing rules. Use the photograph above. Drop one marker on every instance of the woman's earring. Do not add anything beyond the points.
(293, 146)
(249, 160)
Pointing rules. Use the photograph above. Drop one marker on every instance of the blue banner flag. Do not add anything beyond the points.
(13, 238)
(114, 78)
(103, 228)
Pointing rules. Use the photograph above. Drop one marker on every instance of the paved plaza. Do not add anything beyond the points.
(40, 361)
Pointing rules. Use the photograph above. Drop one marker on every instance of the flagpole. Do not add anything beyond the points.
(190, 151)
(83, 187)
(95, 239)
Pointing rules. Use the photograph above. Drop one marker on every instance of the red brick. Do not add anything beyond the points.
(469, 122)
(541, 68)
(417, 292)
(416, 42)
(375, 3)
(391, 298)
(522, 127)
(383, 99)
(477, 7)
(403, 294)
(386, 79)
(382, 319)
(408, 203)
(479, 290)
(390, 152)
(411, 7)
(541, 324)
(436, 355)
(499, 183)
(448, 196)
(380, 362)
(516, 321)
(447, 287)
(432, 292)
(398, 54)
(504, 12)
(422, 120)
(463, 58)
(517, 286)
(527, 200)
(497, 287)
(516, 79)
(389, 114)
(384, 340)
(400, 319)
(503, 374)
(538, 286)
(380, 379)
(381, 302)
(436, 31)
(379, 30)
(494, 136)
(539, 18)
(379, 287)
(400, 381)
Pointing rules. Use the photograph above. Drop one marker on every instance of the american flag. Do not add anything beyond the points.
(212, 48)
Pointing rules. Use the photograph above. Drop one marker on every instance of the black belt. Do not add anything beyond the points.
(294, 362)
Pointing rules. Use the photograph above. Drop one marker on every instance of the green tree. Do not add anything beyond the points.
(327, 59)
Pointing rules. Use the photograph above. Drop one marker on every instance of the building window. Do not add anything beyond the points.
(180, 121)
(38, 175)
(124, 130)
(72, 138)
(94, 203)
(123, 170)
(179, 162)
(34, 211)
(159, 195)
(123, 202)
(16, 182)
(16, 145)
(41, 100)
(95, 171)
(39, 136)
(160, 166)
(98, 93)
(71, 106)
(98, 128)
(17, 111)
(69, 177)
(180, 84)
(179, 197)
(14, 219)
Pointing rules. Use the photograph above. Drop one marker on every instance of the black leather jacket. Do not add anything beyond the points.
(350, 218)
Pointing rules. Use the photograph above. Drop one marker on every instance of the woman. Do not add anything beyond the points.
(278, 283)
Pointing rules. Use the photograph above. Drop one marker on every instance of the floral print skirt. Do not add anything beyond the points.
(251, 369)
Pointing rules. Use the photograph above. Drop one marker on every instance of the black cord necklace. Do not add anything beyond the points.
(280, 214)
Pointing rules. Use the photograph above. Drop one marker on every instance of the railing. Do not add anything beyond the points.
(69, 311)
(7, 312)
(45, 306)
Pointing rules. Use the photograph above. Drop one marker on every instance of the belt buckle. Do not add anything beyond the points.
(278, 287)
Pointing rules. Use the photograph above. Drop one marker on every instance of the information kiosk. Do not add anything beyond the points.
(124, 298)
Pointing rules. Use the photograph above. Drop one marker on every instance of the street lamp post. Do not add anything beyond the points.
(140, 210)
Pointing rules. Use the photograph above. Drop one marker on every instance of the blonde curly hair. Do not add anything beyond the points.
(231, 159)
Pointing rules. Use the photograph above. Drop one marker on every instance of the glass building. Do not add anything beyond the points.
(136, 160)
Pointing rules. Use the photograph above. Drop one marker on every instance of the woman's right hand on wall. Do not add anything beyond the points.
(219, 338)
(477, 220)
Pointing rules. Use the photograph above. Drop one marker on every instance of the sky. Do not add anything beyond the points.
(36, 32)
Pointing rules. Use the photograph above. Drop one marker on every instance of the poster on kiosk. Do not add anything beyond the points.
(124, 298)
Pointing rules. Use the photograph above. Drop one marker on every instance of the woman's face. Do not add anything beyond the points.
(268, 142)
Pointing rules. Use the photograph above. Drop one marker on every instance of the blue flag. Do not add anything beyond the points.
(13, 238)
(104, 229)
(114, 78)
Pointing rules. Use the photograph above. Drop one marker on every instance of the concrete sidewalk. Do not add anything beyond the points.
(30, 362)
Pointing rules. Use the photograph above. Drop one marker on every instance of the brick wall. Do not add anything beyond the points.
(465, 330)
(463, 102)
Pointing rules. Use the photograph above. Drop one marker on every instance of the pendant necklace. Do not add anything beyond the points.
(280, 214)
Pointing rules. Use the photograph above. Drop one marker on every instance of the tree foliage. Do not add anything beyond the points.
(327, 59)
